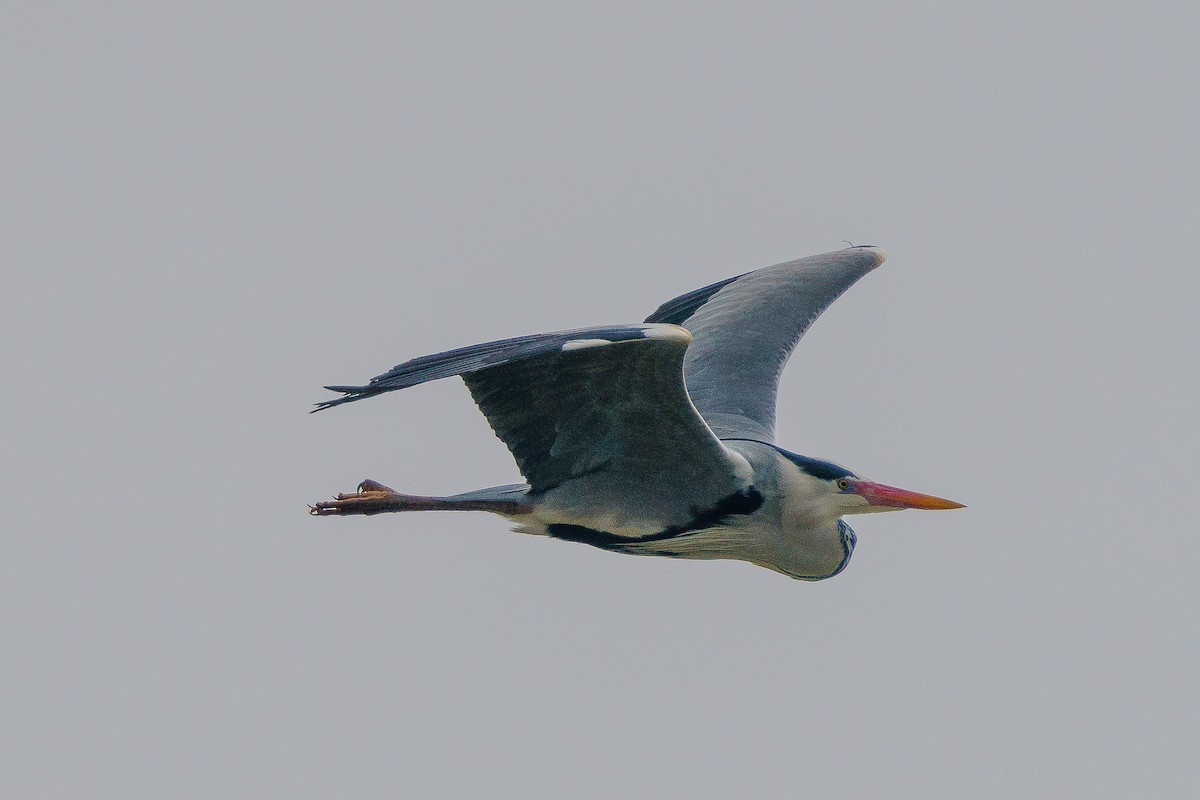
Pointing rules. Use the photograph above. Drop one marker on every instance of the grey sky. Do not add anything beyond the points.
(209, 213)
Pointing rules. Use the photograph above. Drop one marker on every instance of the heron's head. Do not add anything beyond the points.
(840, 491)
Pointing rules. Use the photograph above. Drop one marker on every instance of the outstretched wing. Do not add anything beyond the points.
(745, 328)
(604, 406)
(466, 360)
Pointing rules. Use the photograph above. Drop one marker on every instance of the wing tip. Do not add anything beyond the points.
(878, 254)
(349, 395)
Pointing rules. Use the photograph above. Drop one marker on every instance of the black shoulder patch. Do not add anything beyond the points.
(677, 311)
(744, 502)
(578, 533)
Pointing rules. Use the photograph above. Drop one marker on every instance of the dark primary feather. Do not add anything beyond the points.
(677, 311)
(469, 359)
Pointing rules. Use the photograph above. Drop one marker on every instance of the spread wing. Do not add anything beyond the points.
(603, 406)
(745, 328)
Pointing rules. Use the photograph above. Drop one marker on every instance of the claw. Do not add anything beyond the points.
(372, 497)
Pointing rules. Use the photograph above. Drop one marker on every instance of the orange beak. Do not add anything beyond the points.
(878, 494)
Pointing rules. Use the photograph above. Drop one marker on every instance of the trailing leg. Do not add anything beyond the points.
(373, 497)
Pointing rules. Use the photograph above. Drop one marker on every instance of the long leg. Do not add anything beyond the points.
(373, 497)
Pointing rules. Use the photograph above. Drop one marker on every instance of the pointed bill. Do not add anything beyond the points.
(878, 494)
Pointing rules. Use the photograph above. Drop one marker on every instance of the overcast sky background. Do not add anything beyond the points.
(209, 213)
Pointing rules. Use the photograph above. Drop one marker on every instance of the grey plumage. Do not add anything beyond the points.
(745, 332)
(658, 438)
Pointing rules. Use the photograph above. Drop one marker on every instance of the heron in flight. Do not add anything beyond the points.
(659, 438)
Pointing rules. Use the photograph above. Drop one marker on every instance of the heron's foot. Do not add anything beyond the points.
(372, 497)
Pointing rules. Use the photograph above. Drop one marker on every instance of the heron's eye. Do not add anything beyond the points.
(843, 484)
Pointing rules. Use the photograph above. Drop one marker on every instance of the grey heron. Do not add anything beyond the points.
(659, 438)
